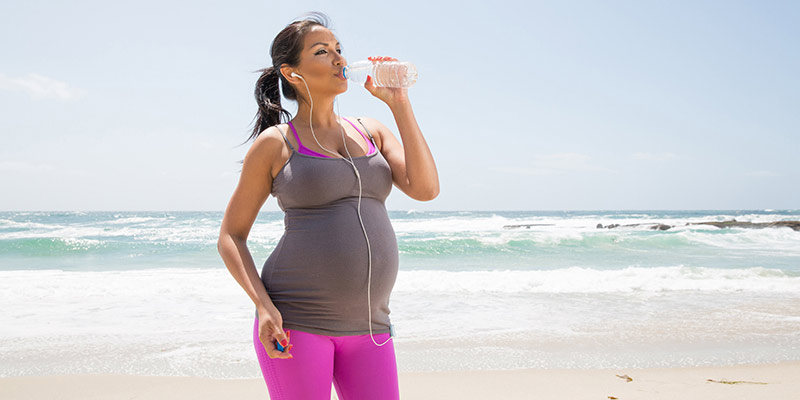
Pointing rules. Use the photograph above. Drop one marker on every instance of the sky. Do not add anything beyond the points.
(525, 105)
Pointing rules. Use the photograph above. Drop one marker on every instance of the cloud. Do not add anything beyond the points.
(553, 164)
(654, 156)
(762, 173)
(41, 87)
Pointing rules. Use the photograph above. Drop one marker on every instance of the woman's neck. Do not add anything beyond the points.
(323, 116)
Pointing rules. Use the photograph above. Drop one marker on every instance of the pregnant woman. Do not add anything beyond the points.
(323, 293)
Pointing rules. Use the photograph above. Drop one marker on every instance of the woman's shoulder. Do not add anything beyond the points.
(270, 147)
(270, 143)
(272, 136)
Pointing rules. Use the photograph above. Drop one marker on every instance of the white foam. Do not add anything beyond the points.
(204, 231)
(764, 239)
(199, 321)
(93, 301)
(90, 301)
(119, 220)
(585, 280)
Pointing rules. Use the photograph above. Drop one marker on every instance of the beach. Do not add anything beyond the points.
(779, 381)
(623, 226)
(129, 305)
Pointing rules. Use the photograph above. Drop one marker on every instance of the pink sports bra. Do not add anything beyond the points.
(305, 150)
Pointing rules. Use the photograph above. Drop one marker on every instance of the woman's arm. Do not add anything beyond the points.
(255, 184)
(413, 169)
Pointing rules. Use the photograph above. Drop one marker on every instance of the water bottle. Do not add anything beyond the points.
(383, 73)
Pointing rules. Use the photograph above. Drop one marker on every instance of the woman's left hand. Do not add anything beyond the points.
(388, 95)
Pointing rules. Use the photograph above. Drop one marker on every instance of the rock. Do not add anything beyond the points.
(724, 224)
(795, 225)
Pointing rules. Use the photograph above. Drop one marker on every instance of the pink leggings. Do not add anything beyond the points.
(358, 368)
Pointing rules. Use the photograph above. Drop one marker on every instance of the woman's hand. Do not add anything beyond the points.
(389, 95)
(270, 329)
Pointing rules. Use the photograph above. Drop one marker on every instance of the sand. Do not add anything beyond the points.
(756, 381)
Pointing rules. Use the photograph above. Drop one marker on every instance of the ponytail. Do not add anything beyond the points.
(268, 98)
(285, 50)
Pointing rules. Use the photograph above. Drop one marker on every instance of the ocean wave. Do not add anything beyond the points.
(783, 241)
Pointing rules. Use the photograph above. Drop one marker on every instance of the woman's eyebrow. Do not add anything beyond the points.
(325, 43)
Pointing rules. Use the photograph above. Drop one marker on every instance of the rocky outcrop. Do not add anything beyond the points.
(660, 227)
(733, 223)
(795, 225)
(663, 227)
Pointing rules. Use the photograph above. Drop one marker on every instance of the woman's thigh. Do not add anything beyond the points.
(363, 370)
(307, 375)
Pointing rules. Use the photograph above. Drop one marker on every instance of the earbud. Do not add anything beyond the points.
(295, 74)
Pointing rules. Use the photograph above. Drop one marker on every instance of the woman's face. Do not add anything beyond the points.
(321, 64)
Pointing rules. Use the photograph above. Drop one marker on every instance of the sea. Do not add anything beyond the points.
(147, 293)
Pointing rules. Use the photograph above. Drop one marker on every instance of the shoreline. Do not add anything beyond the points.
(762, 381)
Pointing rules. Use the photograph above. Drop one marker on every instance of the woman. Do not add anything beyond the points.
(326, 285)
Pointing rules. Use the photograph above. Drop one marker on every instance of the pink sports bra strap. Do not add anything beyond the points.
(299, 145)
(362, 133)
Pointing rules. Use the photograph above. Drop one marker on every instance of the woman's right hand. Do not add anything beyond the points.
(270, 329)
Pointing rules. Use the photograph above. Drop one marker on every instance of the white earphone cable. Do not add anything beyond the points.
(358, 175)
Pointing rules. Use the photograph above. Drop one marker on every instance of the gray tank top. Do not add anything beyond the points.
(317, 274)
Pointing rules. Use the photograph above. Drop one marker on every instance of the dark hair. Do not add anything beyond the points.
(285, 49)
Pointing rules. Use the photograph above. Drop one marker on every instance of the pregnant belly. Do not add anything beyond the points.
(323, 259)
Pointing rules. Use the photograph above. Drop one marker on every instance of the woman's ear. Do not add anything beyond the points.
(289, 74)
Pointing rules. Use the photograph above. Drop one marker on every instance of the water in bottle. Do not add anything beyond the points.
(383, 73)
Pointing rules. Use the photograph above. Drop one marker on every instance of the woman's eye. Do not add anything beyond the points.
(320, 52)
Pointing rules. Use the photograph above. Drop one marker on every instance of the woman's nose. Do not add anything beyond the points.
(339, 60)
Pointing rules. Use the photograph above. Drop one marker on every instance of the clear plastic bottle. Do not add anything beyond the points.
(383, 73)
